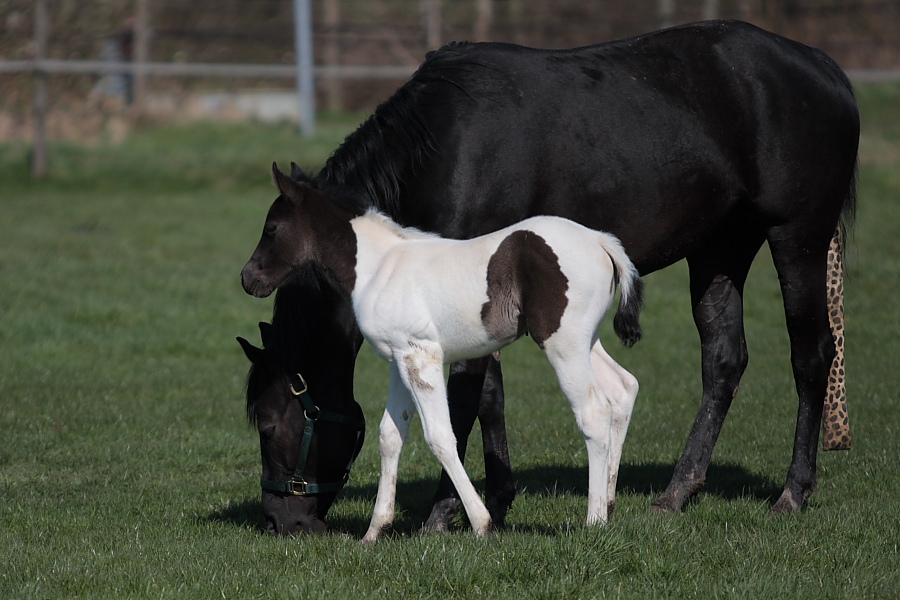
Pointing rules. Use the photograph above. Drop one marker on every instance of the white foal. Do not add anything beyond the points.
(424, 301)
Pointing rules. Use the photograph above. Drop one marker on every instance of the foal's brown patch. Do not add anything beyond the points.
(526, 289)
(413, 372)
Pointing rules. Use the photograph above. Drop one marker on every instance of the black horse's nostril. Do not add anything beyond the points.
(273, 527)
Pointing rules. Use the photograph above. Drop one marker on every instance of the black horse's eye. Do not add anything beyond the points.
(270, 228)
(267, 432)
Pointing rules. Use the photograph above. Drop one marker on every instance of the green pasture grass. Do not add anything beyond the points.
(127, 469)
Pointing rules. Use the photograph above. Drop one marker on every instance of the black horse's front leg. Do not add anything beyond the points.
(499, 487)
(475, 389)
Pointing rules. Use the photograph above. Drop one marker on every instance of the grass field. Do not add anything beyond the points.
(127, 468)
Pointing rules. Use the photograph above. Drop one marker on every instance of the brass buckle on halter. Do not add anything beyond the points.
(302, 381)
(298, 488)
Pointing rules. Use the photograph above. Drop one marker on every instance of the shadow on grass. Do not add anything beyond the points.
(414, 498)
(247, 513)
(727, 481)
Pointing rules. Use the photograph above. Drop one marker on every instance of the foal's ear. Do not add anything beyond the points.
(287, 186)
(256, 355)
(297, 173)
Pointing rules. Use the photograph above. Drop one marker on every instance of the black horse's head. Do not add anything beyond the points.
(300, 397)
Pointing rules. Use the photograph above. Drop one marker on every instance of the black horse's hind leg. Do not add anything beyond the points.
(718, 274)
(802, 273)
(475, 389)
(500, 489)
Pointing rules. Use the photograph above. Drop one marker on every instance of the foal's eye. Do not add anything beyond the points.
(270, 228)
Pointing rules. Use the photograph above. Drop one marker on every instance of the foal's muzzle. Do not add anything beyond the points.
(253, 283)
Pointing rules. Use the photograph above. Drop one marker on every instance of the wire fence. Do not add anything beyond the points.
(121, 60)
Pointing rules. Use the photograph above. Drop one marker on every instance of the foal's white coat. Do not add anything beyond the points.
(418, 301)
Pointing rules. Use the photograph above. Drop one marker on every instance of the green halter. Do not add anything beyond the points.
(298, 486)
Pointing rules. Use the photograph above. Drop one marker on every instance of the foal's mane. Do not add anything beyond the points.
(406, 233)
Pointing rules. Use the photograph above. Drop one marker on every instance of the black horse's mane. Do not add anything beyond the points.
(368, 169)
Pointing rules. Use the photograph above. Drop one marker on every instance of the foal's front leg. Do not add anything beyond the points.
(422, 370)
(392, 435)
(475, 389)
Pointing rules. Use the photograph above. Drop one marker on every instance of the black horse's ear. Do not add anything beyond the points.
(256, 355)
(266, 331)
(290, 189)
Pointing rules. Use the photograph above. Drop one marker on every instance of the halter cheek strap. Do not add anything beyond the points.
(298, 486)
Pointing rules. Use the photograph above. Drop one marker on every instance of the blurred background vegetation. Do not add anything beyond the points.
(862, 35)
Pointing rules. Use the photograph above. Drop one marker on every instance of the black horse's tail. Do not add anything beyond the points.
(835, 421)
(626, 323)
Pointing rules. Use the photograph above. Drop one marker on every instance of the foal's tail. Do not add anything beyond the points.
(631, 297)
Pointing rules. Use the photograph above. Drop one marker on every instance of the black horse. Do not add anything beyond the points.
(698, 142)
(303, 378)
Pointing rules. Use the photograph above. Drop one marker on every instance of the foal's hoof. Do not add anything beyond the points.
(483, 532)
(372, 536)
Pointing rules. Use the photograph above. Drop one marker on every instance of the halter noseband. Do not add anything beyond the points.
(298, 485)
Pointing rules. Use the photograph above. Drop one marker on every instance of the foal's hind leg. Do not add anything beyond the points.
(621, 388)
(475, 389)
(593, 415)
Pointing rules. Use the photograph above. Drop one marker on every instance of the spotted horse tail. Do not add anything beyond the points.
(835, 423)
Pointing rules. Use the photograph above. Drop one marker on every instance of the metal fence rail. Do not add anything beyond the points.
(229, 70)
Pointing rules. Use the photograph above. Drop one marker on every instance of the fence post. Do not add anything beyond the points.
(484, 16)
(333, 86)
(41, 93)
(432, 15)
(306, 90)
(666, 13)
(710, 10)
(141, 51)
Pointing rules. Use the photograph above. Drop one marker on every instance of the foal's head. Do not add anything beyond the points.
(293, 235)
